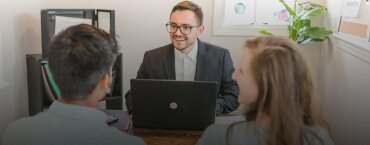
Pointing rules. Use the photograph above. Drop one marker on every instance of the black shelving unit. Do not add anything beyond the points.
(37, 95)
(37, 99)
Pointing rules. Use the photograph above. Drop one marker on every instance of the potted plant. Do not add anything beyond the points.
(300, 29)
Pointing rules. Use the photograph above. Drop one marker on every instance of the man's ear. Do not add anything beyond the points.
(201, 29)
(104, 82)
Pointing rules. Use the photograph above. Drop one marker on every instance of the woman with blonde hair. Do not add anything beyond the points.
(280, 99)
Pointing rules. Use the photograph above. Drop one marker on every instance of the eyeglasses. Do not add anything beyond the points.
(184, 29)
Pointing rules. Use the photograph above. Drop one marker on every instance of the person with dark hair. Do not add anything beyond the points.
(187, 58)
(80, 58)
(280, 99)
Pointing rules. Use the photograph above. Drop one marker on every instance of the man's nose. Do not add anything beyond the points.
(178, 31)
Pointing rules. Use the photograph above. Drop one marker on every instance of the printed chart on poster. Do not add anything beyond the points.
(352, 8)
(246, 17)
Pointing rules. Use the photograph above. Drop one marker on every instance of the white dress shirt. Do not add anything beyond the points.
(185, 64)
(65, 124)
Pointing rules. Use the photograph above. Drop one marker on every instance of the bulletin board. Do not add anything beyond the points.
(247, 17)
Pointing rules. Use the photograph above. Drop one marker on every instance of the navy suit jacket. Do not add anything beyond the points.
(213, 64)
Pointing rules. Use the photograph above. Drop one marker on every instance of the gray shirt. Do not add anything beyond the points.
(249, 133)
(65, 124)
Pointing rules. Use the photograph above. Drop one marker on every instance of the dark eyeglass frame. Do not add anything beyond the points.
(179, 28)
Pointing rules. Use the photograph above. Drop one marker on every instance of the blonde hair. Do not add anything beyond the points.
(286, 90)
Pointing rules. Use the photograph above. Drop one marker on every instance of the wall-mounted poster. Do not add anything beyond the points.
(239, 12)
(256, 12)
(248, 17)
(352, 7)
(273, 12)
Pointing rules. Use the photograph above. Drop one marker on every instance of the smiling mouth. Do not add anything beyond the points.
(179, 38)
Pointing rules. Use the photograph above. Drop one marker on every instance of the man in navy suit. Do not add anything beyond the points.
(188, 58)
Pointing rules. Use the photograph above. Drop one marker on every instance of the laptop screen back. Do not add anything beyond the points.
(173, 104)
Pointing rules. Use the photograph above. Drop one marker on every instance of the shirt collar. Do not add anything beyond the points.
(192, 54)
(77, 112)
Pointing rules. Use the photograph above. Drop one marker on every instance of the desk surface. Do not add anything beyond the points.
(166, 136)
(179, 137)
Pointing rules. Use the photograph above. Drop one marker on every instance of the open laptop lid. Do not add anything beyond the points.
(173, 104)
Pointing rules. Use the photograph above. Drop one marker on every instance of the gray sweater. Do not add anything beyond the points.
(249, 133)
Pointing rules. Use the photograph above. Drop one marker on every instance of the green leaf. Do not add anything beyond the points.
(307, 41)
(292, 33)
(289, 28)
(319, 33)
(303, 29)
(264, 32)
(300, 39)
(306, 23)
(299, 28)
(312, 13)
(290, 10)
(308, 5)
(297, 23)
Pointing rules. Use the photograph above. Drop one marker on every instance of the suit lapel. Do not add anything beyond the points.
(201, 62)
(169, 65)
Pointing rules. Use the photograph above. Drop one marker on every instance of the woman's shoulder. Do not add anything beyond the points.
(217, 128)
(235, 128)
(220, 134)
(317, 134)
(215, 134)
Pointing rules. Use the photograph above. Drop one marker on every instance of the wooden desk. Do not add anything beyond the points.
(165, 136)
(168, 137)
(179, 137)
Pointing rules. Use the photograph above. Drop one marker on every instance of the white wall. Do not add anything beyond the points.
(20, 33)
(347, 88)
(346, 85)
(2, 82)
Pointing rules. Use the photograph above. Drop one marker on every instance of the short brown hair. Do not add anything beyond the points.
(188, 5)
(79, 57)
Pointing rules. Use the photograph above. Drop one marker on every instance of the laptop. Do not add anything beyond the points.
(171, 104)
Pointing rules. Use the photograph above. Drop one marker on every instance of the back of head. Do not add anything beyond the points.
(188, 5)
(79, 57)
(286, 90)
